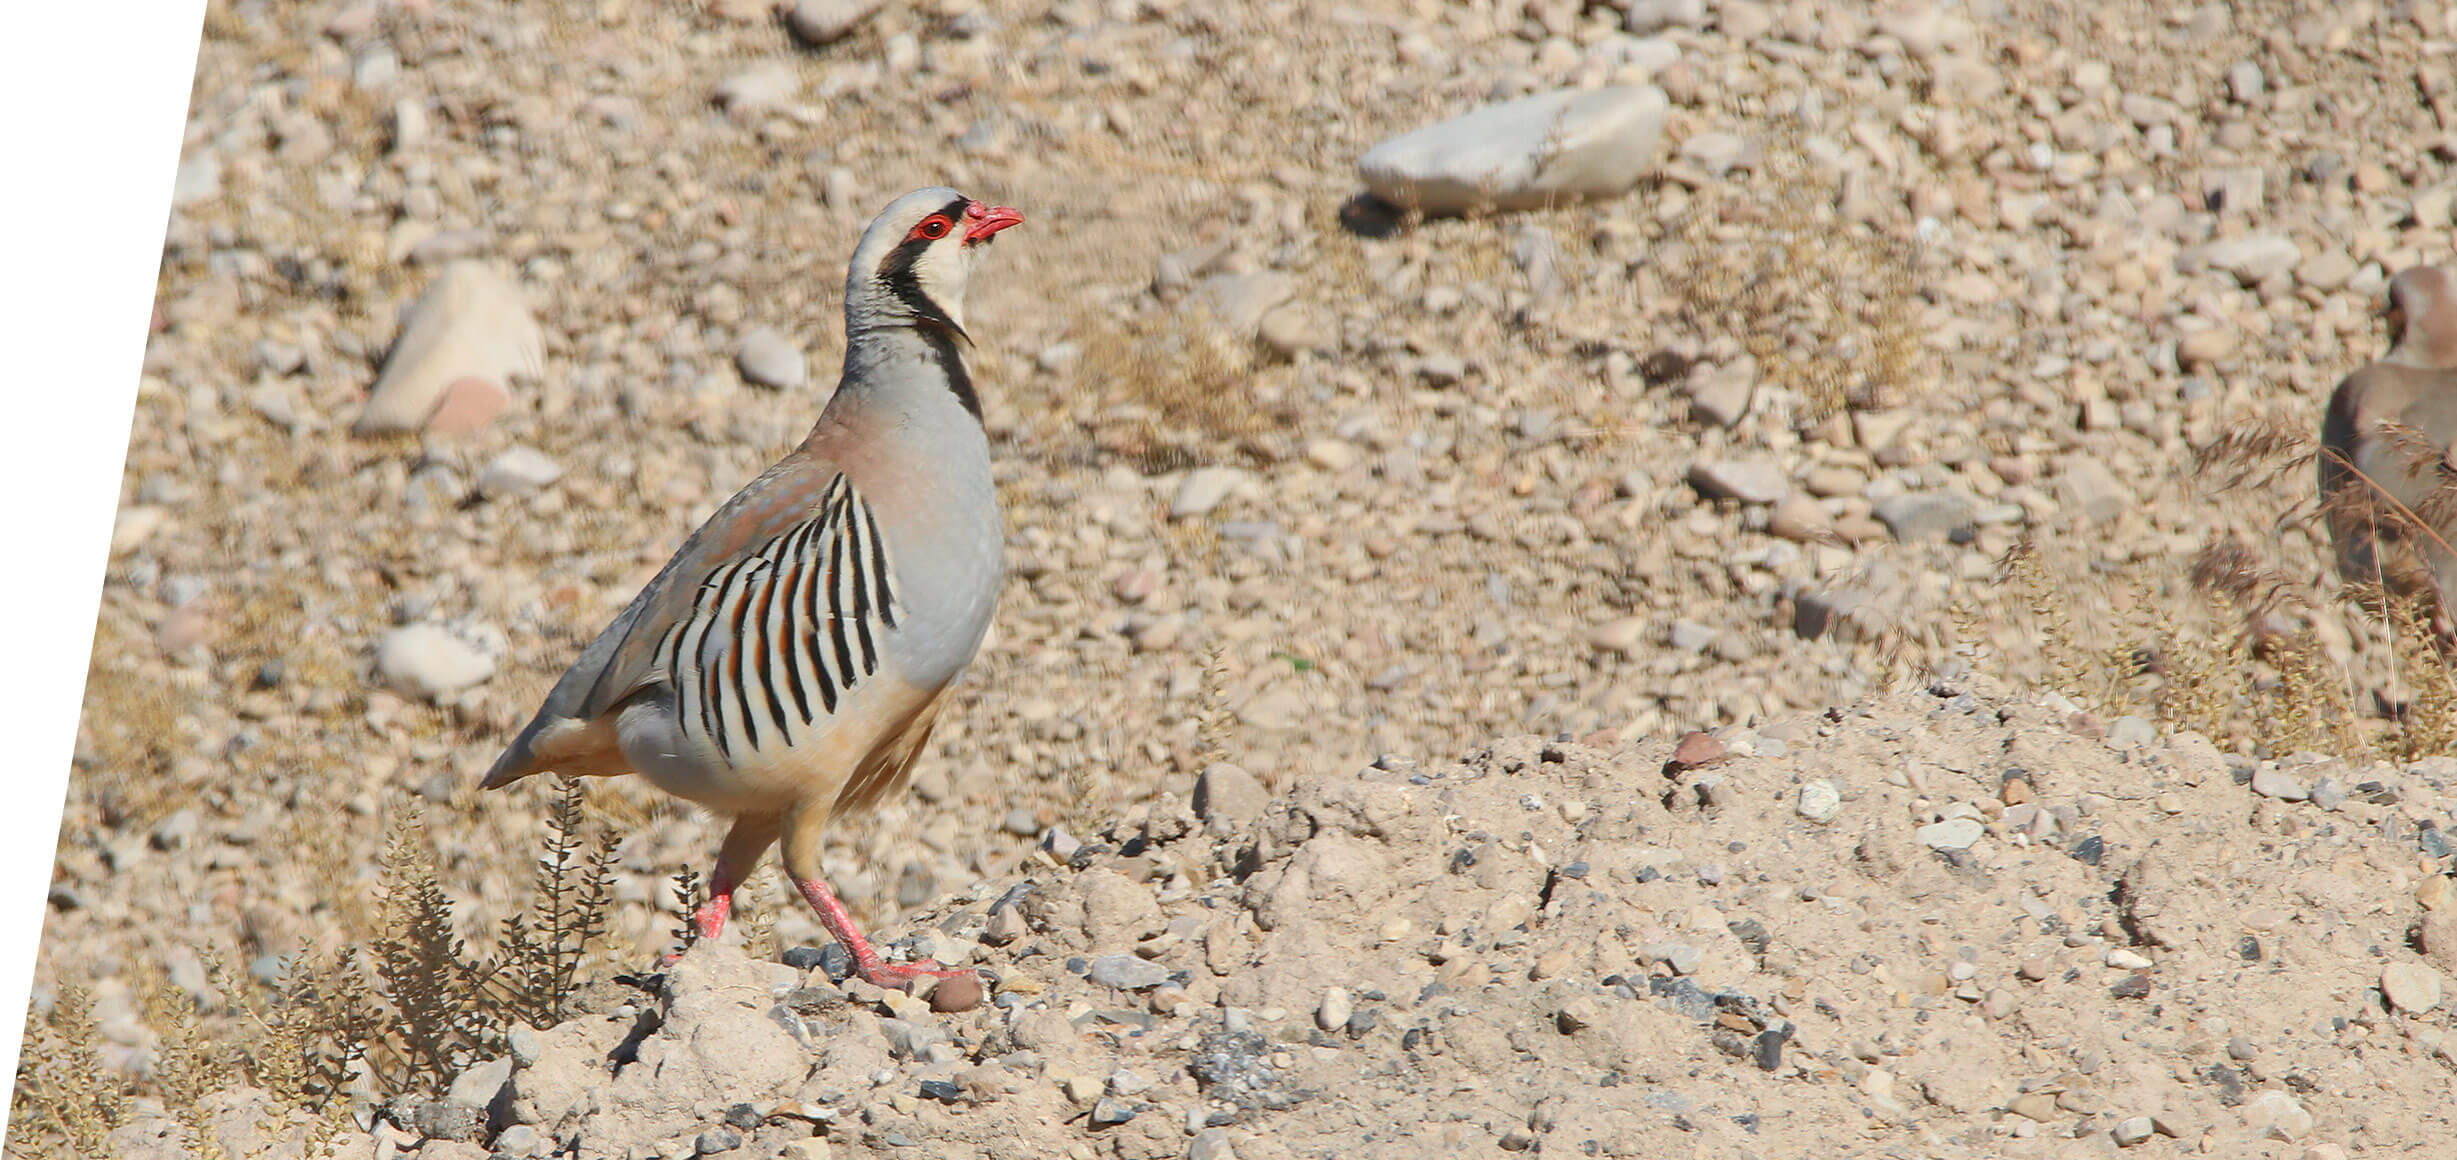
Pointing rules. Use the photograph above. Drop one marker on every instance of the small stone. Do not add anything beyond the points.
(1621, 635)
(1203, 489)
(1927, 515)
(2039, 1106)
(429, 662)
(1749, 481)
(518, 471)
(1819, 802)
(2279, 1112)
(961, 992)
(1696, 749)
(1110, 1113)
(2206, 347)
(768, 359)
(1293, 329)
(198, 178)
(1527, 153)
(1801, 520)
(1951, 834)
(2272, 782)
(2131, 1130)
(2413, 988)
(1229, 795)
(2244, 82)
(1128, 973)
(759, 90)
(2254, 259)
(824, 22)
(717, 1140)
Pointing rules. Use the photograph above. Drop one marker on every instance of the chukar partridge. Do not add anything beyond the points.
(786, 665)
(2388, 478)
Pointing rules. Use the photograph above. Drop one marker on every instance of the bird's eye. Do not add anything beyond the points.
(933, 228)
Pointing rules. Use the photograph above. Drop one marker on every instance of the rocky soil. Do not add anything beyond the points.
(1946, 922)
(470, 312)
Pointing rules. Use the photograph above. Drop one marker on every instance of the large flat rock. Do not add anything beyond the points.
(1539, 150)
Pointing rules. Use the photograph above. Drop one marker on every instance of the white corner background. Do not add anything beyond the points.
(93, 100)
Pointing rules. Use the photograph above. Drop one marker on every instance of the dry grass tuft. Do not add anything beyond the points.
(1827, 307)
(1172, 396)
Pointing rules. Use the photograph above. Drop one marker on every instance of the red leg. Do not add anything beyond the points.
(866, 962)
(744, 843)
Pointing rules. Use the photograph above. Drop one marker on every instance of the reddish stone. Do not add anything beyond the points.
(1696, 749)
(468, 405)
(956, 993)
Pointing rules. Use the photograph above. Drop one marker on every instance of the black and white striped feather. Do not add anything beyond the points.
(778, 637)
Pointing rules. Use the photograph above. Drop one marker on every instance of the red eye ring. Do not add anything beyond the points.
(933, 227)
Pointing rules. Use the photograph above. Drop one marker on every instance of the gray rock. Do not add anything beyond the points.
(1927, 515)
(471, 323)
(518, 1140)
(1203, 489)
(518, 471)
(199, 178)
(1127, 973)
(1239, 301)
(1690, 637)
(1111, 1112)
(1722, 398)
(1819, 802)
(2087, 486)
(1681, 957)
(1292, 329)
(2245, 83)
(759, 90)
(1951, 834)
(1821, 612)
(429, 662)
(2254, 259)
(769, 359)
(822, 22)
(910, 1040)
(1716, 154)
(1752, 481)
(2272, 782)
(1539, 150)
(1646, 16)
(2413, 988)
(1227, 794)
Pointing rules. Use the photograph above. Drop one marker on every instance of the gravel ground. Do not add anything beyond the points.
(1302, 489)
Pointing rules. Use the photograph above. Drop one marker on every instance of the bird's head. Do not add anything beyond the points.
(2422, 317)
(914, 261)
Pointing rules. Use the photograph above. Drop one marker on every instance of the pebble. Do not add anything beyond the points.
(768, 359)
(1127, 973)
(2413, 988)
(470, 332)
(1336, 1006)
(1749, 481)
(1108, 1112)
(2131, 1130)
(1951, 834)
(429, 662)
(1521, 154)
(2271, 782)
(1819, 802)
(518, 471)
(1228, 795)
(2278, 1111)
(759, 90)
(1203, 489)
(824, 22)
(2254, 259)
(1927, 515)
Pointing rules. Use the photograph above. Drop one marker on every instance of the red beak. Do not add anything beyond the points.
(981, 221)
